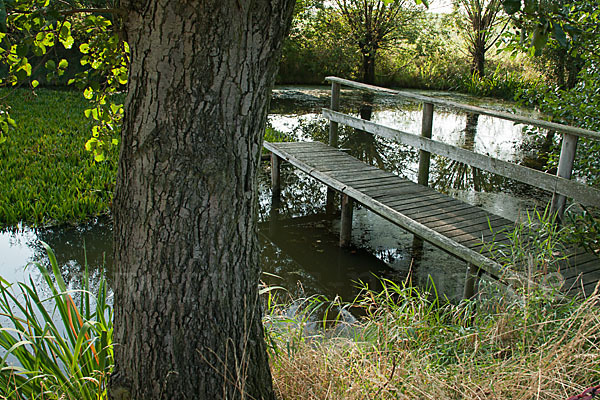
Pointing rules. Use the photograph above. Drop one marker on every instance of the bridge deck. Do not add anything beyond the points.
(459, 228)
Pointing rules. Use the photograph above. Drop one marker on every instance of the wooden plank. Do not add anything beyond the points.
(491, 219)
(463, 213)
(472, 109)
(410, 196)
(379, 185)
(384, 194)
(348, 175)
(582, 193)
(456, 212)
(400, 192)
(416, 207)
(475, 229)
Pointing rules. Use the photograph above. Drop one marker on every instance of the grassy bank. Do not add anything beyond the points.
(410, 346)
(47, 176)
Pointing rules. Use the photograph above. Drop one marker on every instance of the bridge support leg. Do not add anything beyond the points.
(471, 281)
(275, 176)
(330, 204)
(346, 221)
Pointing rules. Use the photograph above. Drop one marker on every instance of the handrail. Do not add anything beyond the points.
(570, 135)
(555, 184)
(473, 109)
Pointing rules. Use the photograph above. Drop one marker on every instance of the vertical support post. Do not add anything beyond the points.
(333, 141)
(471, 281)
(565, 169)
(425, 156)
(335, 106)
(346, 221)
(275, 176)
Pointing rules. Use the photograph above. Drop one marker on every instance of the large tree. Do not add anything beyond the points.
(187, 314)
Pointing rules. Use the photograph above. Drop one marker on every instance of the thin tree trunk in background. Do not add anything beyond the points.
(369, 69)
(187, 315)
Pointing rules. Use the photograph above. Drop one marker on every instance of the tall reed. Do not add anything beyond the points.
(53, 348)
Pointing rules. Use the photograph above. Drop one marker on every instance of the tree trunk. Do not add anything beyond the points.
(478, 53)
(369, 68)
(187, 315)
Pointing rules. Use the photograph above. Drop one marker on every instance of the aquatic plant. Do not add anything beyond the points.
(47, 176)
(53, 348)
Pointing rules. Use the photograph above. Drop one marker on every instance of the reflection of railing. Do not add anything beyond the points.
(560, 185)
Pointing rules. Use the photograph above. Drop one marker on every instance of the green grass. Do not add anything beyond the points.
(47, 176)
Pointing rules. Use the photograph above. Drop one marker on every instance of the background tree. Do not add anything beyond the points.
(481, 25)
(373, 25)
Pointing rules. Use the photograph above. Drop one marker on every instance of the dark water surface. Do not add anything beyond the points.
(299, 242)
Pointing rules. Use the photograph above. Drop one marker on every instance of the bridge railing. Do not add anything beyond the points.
(560, 185)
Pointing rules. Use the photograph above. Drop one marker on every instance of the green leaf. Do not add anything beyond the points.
(22, 50)
(35, 83)
(511, 6)
(99, 157)
(27, 68)
(50, 65)
(560, 35)
(64, 35)
(91, 144)
(62, 64)
(88, 93)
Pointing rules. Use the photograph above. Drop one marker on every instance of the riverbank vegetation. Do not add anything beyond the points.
(47, 175)
(397, 343)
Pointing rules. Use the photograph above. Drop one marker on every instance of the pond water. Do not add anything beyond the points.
(299, 242)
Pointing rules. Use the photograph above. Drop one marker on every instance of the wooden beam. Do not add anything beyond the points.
(346, 221)
(554, 184)
(565, 169)
(275, 175)
(425, 156)
(472, 109)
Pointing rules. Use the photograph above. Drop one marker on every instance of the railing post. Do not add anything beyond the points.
(275, 176)
(471, 281)
(333, 141)
(425, 156)
(335, 106)
(346, 221)
(565, 169)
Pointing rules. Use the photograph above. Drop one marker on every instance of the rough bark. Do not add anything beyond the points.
(187, 317)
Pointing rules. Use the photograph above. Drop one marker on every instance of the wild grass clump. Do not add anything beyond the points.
(50, 347)
(412, 345)
(47, 175)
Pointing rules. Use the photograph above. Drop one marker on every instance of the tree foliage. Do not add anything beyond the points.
(36, 36)
(373, 25)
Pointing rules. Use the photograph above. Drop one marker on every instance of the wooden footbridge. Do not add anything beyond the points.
(461, 229)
